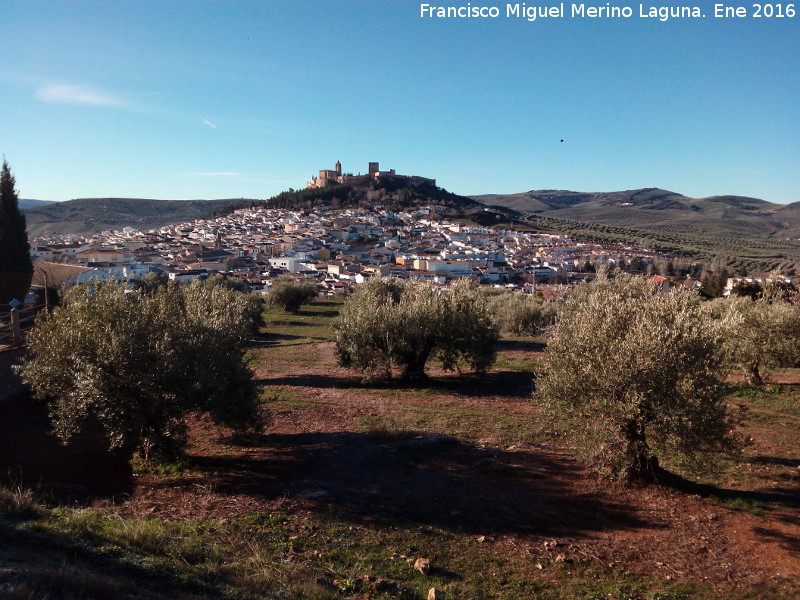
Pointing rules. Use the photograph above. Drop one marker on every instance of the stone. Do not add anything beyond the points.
(423, 565)
(550, 544)
(434, 594)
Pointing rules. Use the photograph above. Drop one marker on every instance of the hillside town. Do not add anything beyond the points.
(336, 249)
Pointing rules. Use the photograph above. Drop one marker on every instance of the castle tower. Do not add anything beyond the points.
(338, 168)
(373, 168)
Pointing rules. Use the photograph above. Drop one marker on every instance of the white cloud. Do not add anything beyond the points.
(209, 123)
(65, 93)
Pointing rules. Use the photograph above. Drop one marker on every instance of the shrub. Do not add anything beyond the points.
(388, 324)
(138, 363)
(522, 314)
(290, 294)
(762, 335)
(631, 372)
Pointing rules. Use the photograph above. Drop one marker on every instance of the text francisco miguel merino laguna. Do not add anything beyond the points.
(531, 13)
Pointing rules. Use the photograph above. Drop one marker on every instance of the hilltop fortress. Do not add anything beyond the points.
(335, 177)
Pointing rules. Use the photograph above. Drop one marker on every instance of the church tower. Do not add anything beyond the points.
(338, 168)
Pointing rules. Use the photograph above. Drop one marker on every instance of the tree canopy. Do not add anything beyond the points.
(391, 324)
(14, 249)
(139, 362)
(290, 294)
(632, 373)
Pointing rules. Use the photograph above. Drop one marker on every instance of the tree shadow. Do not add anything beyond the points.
(276, 339)
(788, 542)
(526, 345)
(408, 478)
(787, 496)
(32, 456)
(776, 460)
(510, 384)
(290, 324)
(331, 314)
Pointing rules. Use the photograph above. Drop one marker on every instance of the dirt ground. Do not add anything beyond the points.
(315, 456)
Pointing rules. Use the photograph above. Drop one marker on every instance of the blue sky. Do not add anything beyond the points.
(201, 99)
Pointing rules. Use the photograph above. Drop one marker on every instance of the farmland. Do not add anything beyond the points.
(350, 483)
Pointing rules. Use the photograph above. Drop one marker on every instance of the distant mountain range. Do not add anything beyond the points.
(659, 210)
(92, 215)
(28, 203)
(737, 231)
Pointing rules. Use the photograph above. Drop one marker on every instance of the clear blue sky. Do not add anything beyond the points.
(200, 99)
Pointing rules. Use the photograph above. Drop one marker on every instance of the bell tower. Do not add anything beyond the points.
(338, 168)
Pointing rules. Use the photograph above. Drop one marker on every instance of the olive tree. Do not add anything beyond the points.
(390, 324)
(138, 363)
(290, 294)
(632, 373)
(762, 335)
(521, 314)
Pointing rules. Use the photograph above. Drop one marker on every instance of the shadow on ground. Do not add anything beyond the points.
(528, 345)
(31, 456)
(420, 479)
(278, 339)
(511, 384)
(788, 496)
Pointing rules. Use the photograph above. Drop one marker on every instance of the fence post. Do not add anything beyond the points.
(16, 331)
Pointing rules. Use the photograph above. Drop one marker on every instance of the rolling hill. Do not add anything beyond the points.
(91, 215)
(30, 203)
(743, 233)
(659, 210)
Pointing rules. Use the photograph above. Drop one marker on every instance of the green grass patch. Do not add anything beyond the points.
(522, 364)
(312, 324)
(471, 423)
(748, 505)
(278, 398)
(778, 398)
(285, 555)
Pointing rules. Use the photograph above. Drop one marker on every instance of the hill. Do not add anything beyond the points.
(656, 210)
(30, 203)
(391, 192)
(91, 215)
(744, 233)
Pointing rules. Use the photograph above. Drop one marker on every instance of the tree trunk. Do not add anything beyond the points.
(754, 375)
(642, 464)
(414, 367)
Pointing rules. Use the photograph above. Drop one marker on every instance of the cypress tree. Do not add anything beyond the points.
(14, 249)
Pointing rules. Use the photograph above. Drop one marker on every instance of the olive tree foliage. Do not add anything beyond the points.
(390, 324)
(632, 373)
(138, 363)
(289, 294)
(762, 335)
(521, 314)
(151, 283)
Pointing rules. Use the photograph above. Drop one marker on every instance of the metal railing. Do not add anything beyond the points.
(14, 322)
